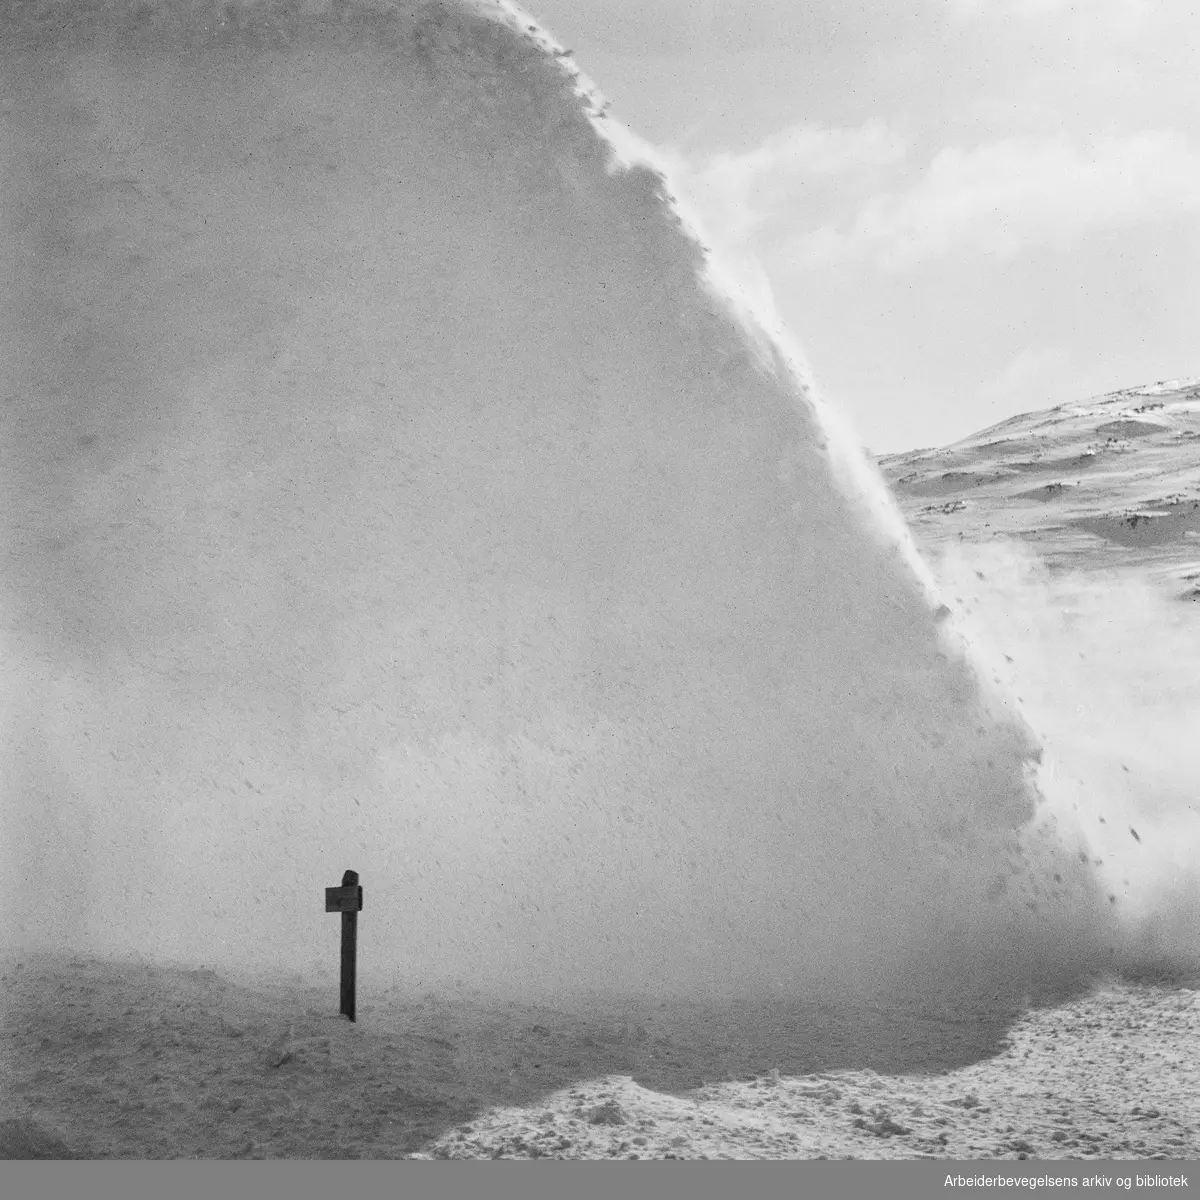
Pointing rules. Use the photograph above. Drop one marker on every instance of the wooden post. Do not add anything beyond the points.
(348, 900)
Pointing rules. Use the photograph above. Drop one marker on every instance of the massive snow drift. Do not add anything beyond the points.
(387, 485)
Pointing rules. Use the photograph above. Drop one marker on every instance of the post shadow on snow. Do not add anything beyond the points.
(412, 1067)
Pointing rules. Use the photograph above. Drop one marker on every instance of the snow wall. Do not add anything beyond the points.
(387, 484)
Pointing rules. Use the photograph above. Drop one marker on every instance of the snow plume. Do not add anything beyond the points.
(386, 486)
(1103, 667)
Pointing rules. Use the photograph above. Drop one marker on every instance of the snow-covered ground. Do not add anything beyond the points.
(126, 1060)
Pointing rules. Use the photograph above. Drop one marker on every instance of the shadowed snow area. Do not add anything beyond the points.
(387, 486)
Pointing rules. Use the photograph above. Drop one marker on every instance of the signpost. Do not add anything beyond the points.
(348, 900)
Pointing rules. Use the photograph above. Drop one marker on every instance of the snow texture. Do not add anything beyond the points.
(390, 483)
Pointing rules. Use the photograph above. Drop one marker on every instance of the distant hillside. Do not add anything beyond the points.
(1111, 482)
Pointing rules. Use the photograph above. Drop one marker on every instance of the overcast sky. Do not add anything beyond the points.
(967, 208)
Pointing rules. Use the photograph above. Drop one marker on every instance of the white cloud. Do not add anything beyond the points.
(737, 192)
(1006, 196)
